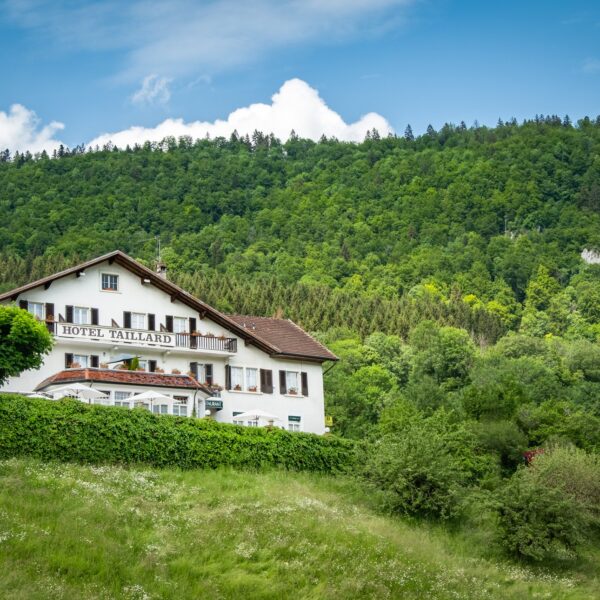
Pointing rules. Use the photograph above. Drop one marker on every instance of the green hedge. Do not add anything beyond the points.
(72, 431)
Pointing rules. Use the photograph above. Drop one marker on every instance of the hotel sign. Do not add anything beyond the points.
(210, 403)
(115, 335)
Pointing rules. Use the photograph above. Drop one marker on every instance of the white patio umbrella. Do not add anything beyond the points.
(256, 415)
(83, 392)
(149, 396)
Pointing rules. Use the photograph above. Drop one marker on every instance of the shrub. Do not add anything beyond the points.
(549, 509)
(504, 439)
(425, 466)
(72, 431)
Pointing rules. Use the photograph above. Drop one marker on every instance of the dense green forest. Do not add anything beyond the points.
(444, 270)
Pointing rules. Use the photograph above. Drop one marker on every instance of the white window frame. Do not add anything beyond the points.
(238, 381)
(180, 409)
(288, 382)
(247, 381)
(78, 313)
(82, 359)
(141, 320)
(31, 308)
(121, 398)
(108, 288)
(293, 426)
(160, 409)
(178, 322)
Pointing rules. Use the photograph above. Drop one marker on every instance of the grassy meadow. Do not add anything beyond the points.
(70, 531)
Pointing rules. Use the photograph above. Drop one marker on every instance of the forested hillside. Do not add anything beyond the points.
(453, 224)
(445, 272)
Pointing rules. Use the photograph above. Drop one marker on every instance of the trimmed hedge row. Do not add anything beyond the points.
(72, 431)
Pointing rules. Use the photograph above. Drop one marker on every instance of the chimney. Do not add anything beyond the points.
(161, 269)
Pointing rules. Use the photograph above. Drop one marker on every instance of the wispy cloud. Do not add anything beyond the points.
(591, 65)
(154, 90)
(295, 106)
(184, 38)
(21, 129)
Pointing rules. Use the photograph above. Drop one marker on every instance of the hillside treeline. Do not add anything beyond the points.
(332, 233)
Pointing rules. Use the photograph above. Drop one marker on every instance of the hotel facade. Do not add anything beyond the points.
(123, 329)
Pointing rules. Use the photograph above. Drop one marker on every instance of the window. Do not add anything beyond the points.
(252, 423)
(160, 409)
(237, 378)
(294, 423)
(138, 321)
(237, 421)
(81, 360)
(180, 410)
(122, 399)
(36, 309)
(180, 325)
(81, 315)
(291, 382)
(110, 282)
(252, 380)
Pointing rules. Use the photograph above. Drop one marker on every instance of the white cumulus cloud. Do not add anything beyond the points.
(295, 106)
(154, 90)
(21, 129)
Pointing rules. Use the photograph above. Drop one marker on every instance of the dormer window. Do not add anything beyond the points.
(110, 283)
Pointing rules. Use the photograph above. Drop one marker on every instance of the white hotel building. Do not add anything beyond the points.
(123, 329)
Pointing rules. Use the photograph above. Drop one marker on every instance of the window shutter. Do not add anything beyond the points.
(151, 323)
(169, 323)
(194, 369)
(266, 381)
(94, 316)
(282, 385)
(127, 319)
(208, 373)
(69, 314)
(304, 383)
(193, 338)
(227, 377)
(94, 361)
(152, 365)
(68, 361)
(23, 304)
(50, 317)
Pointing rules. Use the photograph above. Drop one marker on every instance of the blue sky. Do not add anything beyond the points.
(83, 64)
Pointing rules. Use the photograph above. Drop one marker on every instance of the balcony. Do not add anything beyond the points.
(143, 338)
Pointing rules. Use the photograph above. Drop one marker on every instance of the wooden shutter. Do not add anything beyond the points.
(151, 323)
(282, 384)
(193, 338)
(68, 361)
(127, 319)
(94, 316)
(69, 314)
(266, 381)
(208, 373)
(50, 317)
(194, 369)
(227, 377)
(23, 304)
(304, 376)
(169, 323)
(94, 361)
(152, 365)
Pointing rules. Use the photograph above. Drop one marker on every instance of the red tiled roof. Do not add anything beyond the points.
(287, 337)
(140, 378)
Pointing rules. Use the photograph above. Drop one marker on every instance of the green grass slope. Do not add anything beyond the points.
(80, 532)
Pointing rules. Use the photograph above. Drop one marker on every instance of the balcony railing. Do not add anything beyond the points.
(138, 337)
(205, 342)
